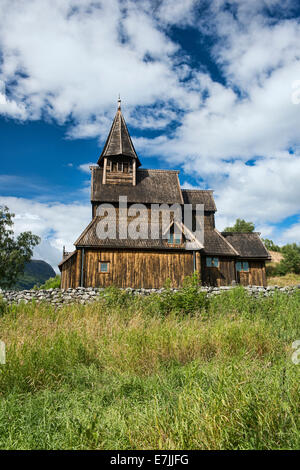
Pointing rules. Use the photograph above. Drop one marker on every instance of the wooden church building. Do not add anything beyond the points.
(221, 259)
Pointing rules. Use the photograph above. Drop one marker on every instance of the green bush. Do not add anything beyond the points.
(271, 270)
(51, 283)
(187, 300)
(291, 259)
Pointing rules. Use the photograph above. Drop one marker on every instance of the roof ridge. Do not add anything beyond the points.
(197, 190)
(119, 113)
(226, 241)
(242, 233)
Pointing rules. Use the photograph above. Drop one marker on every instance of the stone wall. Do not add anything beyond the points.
(84, 295)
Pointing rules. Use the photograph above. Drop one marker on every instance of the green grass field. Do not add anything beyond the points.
(290, 279)
(158, 372)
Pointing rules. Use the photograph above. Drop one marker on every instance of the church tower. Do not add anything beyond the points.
(118, 158)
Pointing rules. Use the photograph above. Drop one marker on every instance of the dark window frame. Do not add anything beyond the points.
(102, 262)
(242, 266)
(213, 263)
(174, 241)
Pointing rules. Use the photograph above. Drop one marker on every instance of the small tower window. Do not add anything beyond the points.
(125, 167)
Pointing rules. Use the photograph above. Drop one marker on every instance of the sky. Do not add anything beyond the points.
(211, 88)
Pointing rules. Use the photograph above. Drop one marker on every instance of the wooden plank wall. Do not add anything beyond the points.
(257, 271)
(151, 269)
(225, 274)
(221, 276)
(256, 276)
(68, 273)
(137, 269)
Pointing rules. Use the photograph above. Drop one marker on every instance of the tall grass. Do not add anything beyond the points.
(171, 371)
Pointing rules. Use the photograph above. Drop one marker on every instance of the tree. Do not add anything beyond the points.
(241, 226)
(14, 252)
(291, 259)
(270, 245)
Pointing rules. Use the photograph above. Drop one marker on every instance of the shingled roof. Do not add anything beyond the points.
(216, 244)
(89, 238)
(152, 186)
(119, 141)
(248, 245)
(200, 196)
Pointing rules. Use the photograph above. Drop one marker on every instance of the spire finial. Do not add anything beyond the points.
(119, 102)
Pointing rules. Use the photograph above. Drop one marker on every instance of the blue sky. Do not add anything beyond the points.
(209, 88)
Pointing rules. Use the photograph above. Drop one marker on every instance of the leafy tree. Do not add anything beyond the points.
(241, 226)
(270, 245)
(291, 259)
(14, 252)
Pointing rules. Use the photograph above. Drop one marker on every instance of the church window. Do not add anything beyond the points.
(212, 262)
(103, 266)
(242, 266)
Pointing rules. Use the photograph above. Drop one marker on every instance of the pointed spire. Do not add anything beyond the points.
(119, 142)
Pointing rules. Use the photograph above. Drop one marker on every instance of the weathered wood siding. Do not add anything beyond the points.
(150, 269)
(221, 276)
(256, 276)
(68, 272)
(147, 269)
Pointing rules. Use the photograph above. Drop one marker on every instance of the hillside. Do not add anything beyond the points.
(36, 272)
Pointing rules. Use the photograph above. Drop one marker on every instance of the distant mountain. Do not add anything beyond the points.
(36, 273)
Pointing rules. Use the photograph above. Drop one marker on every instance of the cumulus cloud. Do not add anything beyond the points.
(239, 135)
(72, 58)
(10, 107)
(49, 222)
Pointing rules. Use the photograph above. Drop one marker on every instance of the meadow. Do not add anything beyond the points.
(290, 279)
(169, 371)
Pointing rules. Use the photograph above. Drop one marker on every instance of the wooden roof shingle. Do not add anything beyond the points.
(216, 244)
(119, 141)
(248, 245)
(90, 238)
(152, 187)
(200, 196)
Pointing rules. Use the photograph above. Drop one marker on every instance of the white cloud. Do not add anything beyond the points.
(72, 58)
(57, 224)
(85, 167)
(10, 107)
(292, 234)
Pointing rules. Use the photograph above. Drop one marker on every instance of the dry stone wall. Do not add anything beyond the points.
(84, 295)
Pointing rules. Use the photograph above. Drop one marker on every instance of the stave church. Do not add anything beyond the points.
(220, 259)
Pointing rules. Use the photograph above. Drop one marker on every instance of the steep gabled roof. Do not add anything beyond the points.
(216, 244)
(65, 259)
(90, 238)
(152, 187)
(200, 196)
(248, 245)
(119, 141)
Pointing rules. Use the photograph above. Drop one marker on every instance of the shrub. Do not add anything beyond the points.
(51, 283)
(291, 259)
(187, 300)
